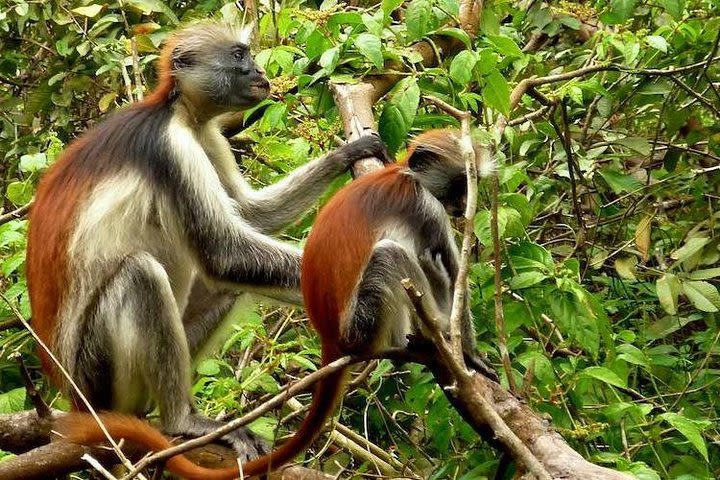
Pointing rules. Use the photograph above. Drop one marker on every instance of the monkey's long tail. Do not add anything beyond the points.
(83, 429)
(326, 397)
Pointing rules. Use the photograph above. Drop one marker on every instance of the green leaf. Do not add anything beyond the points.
(149, 6)
(208, 367)
(489, 21)
(692, 246)
(620, 11)
(19, 193)
(497, 93)
(419, 19)
(688, 429)
(406, 95)
(456, 33)
(625, 267)
(705, 274)
(392, 127)
(657, 42)
(89, 11)
(329, 59)
(369, 46)
(265, 427)
(604, 375)
(33, 162)
(12, 401)
(674, 7)
(632, 354)
(482, 227)
(11, 265)
(399, 113)
(526, 279)
(389, 6)
(22, 9)
(619, 182)
(461, 67)
(703, 295)
(670, 160)
(668, 289)
(530, 256)
(316, 44)
(505, 46)
(639, 144)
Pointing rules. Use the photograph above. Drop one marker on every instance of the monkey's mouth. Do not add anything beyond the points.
(259, 89)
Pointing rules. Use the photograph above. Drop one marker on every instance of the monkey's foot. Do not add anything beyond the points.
(246, 444)
(476, 363)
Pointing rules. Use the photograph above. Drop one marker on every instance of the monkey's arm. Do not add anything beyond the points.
(228, 247)
(274, 207)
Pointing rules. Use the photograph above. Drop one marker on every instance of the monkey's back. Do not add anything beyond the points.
(119, 143)
(342, 240)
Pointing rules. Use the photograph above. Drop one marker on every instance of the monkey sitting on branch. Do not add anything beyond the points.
(386, 226)
(148, 213)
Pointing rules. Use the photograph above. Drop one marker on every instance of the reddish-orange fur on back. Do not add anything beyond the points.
(56, 202)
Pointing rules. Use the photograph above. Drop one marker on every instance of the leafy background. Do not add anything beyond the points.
(610, 256)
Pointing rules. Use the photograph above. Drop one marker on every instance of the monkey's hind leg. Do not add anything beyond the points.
(382, 314)
(149, 351)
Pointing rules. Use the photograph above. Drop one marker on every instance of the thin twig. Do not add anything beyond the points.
(696, 95)
(497, 279)
(98, 466)
(41, 407)
(15, 214)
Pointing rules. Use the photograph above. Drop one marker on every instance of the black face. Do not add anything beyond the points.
(248, 83)
(227, 76)
(454, 198)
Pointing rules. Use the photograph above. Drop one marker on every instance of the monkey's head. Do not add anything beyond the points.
(212, 67)
(435, 160)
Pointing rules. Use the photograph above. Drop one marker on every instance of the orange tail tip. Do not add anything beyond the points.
(83, 429)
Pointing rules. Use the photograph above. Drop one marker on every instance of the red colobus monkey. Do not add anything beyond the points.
(145, 208)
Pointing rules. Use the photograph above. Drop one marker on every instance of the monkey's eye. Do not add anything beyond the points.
(238, 54)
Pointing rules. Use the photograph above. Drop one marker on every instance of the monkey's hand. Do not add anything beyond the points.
(367, 146)
(434, 268)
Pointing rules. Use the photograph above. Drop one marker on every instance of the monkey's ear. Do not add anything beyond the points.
(421, 158)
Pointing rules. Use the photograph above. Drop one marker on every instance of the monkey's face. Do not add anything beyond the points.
(222, 77)
(247, 82)
(454, 198)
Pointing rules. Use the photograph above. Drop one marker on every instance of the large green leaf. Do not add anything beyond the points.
(703, 295)
(497, 93)
(370, 47)
(461, 67)
(620, 11)
(668, 289)
(419, 19)
(604, 375)
(688, 429)
(399, 113)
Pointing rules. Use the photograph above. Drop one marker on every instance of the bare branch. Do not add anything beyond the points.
(15, 214)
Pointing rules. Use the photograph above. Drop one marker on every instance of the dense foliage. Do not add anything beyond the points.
(607, 206)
